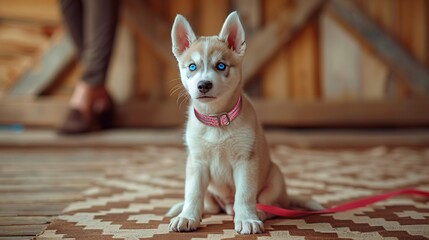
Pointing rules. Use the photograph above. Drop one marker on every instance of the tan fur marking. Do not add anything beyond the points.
(215, 46)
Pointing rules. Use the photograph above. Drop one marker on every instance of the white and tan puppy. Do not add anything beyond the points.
(229, 166)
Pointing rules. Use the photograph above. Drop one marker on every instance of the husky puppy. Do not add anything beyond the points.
(229, 166)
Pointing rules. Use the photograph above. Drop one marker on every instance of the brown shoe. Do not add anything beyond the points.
(76, 123)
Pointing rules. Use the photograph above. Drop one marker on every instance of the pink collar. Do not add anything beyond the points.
(221, 119)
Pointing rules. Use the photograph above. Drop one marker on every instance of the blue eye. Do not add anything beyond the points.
(220, 66)
(192, 67)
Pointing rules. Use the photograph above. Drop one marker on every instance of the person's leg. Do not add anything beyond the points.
(99, 31)
(98, 19)
(72, 12)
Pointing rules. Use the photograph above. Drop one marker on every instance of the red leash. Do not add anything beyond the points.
(343, 207)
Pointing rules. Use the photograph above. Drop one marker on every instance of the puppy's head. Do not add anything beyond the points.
(210, 67)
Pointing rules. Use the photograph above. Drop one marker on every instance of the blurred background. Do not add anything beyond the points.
(311, 63)
(322, 74)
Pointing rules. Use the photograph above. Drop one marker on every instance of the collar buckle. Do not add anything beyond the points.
(219, 118)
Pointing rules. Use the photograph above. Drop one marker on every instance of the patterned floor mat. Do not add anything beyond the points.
(130, 199)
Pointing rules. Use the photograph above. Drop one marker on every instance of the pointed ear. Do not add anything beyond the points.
(182, 35)
(233, 33)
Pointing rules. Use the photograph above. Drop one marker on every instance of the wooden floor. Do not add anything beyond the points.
(41, 172)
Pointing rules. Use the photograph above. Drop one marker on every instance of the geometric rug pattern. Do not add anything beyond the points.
(129, 199)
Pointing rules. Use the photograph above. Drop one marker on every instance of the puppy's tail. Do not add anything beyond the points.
(307, 203)
(175, 210)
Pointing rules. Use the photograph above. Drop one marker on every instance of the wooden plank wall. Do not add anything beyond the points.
(324, 61)
(25, 31)
(407, 22)
(352, 71)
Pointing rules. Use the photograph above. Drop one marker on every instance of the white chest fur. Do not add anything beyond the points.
(233, 142)
(220, 148)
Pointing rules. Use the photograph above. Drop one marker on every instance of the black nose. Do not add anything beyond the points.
(205, 86)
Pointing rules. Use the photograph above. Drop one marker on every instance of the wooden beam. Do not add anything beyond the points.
(344, 114)
(150, 27)
(45, 11)
(47, 112)
(53, 61)
(383, 45)
(150, 114)
(265, 43)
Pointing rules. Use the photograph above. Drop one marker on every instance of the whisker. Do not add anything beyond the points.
(185, 99)
(175, 89)
(174, 79)
(180, 95)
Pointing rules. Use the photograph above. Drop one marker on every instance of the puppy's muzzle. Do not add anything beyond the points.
(204, 86)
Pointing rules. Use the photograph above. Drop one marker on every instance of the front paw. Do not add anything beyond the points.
(249, 226)
(183, 224)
